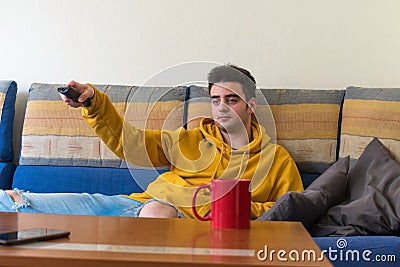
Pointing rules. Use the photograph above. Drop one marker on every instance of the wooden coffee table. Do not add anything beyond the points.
(121, 241)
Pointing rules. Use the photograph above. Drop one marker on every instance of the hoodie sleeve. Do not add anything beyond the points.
(282, 177)
(144, 146)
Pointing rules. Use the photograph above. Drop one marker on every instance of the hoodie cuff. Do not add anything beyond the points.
(87, 111)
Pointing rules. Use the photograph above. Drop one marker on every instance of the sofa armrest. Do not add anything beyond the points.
(6, 174)
(8, 93)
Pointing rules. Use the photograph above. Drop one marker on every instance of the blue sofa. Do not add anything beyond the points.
(60, 153)
(8, 93)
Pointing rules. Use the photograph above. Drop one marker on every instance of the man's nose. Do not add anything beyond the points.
(223, 107)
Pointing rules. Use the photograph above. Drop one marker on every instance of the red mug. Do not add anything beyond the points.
(230, 203)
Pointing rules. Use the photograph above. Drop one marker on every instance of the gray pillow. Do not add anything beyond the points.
(373, 203)
(309, 206)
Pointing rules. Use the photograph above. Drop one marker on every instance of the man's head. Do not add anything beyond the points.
(232, 92)
(232, 73)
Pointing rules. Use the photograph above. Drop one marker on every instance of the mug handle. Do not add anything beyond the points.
(201, 218)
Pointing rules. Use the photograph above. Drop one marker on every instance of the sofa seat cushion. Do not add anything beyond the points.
(361, 251)
(63, 179)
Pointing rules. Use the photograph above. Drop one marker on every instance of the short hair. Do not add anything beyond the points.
(232, 73)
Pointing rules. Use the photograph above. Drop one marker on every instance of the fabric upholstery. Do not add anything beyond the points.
(385, 250)
(305, 122)
(307, 125)
(54, 134)
(310, 206)
(8, 93)
(61, 153)
(372, 206)
(6, 174)
(368, 113)
(308, 178)
(65, 179)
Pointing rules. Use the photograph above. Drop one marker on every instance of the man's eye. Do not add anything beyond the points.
(232, 100)
(215, 102)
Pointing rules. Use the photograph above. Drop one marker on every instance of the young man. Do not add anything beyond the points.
(231, 145)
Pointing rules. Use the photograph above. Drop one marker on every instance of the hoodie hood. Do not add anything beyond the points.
(237, 162)
(212, 134)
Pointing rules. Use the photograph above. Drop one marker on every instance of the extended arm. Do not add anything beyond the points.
(141, 147)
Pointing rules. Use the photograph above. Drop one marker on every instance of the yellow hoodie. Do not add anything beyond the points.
(196, 157)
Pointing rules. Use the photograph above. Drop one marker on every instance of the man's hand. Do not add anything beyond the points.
(86, 91)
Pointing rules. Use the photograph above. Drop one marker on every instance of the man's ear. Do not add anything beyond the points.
(252, 104)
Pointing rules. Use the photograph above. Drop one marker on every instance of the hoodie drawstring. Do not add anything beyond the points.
(241, 170)
(219, 162)
(241, 167)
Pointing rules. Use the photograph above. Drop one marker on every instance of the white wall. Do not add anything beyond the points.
(292, 44)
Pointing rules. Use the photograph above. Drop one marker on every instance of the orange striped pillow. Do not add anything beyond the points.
(54, 134)
(369, 113)
(306, 121)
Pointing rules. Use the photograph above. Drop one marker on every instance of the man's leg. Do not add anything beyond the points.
(157, 209)
(15, 196)
(68, 203)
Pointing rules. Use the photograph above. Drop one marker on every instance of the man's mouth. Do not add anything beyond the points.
(223, 117)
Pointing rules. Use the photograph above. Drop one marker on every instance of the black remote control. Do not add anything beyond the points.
(73, 94)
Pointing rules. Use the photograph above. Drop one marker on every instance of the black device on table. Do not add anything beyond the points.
(31, 235)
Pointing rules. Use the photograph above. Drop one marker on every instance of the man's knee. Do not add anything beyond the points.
(15, 196)
(157, 209)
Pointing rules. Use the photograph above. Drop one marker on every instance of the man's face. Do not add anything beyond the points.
(229, 108)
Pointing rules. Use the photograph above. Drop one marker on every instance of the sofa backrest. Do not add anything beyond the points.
(57, 144)
(60, 153)
(305, 122)
(368, 113)
(55, 134)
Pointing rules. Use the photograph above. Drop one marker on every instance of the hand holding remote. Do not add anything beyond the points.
(73, 94)
(76, 94)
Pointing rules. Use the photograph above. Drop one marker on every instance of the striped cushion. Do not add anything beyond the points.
(55, 134)
(368, 113)
(198, 106)
(305, 122)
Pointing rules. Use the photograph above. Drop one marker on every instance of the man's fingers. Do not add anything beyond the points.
(85, 90)
(72, 84)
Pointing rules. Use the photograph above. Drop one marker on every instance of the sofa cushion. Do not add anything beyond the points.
(368, 113)
(333, 182)
(310, 205)
(54, 134)
(307, 125)
(305, 122)
(372, 206)
(61, 153)
(6, 174)
(8, 93)
(64, 179)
